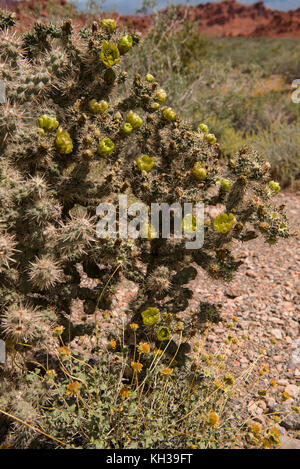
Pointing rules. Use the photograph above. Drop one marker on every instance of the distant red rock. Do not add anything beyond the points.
(230, 18)
(224, 18)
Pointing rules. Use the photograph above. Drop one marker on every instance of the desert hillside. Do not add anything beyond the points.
(224, 18)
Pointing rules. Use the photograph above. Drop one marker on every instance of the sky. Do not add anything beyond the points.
(130, 6)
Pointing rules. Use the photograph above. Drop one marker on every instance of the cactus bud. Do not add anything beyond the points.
(163, 333)
(48, 123)
(224, 223)
(105, 147)
(150, 316)
(125, 44)
(110, 76)
(210, 138)
(150, 78)
(63, 142)
(203, 128)
(199, 172)
(98, 108)
(108, 24)
(274, 186)
(135, 120)
(225, 184)
(145, 163)
(160, 95)
(126, 129)
(169, 114)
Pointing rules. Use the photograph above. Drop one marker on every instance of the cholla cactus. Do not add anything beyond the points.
(72, 136)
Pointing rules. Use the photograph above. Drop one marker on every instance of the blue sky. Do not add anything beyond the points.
(129, 6)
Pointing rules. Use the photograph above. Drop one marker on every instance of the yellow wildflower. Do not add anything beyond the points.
(73, 388)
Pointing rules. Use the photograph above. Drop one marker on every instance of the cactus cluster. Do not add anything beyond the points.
(75, 131)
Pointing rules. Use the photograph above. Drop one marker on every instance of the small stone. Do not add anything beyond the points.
(293, 390)
(276, 333)
(289, 443)
(251, 274)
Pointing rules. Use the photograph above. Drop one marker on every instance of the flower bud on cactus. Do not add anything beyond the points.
(150, 78)
(105, 147)
(199, 172)
(163, 333)
(63, 142)
(225, 185)
(48, 123)
(169, 114)
(135, 120)
(145, 163)
(274, 186)
(203, 128)
(150, 316)
(160, 95)
(210, 138)
(126, 129)
(98, 108)
(108, 24)
(125, 44)
(224, 223)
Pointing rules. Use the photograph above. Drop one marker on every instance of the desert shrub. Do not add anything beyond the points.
(75, 132)
(94, 398)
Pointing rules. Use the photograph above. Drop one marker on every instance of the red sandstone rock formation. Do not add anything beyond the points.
(224, 18)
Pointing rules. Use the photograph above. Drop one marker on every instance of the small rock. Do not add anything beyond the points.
(289, 443)
(293, 390)
(233, 293)
(276, 333)
(251, 273)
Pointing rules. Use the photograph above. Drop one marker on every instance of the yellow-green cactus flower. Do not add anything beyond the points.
(134, 119)
(63, 142)
(126, 129)
(163, 333)
(48, 123)
(98, 107)
(211, 138)
(224, 223)
(225, 184)
(274, 186)
(169, 114)
(41, 132)
(145, 163)
(160, 95)
(109, 54)
(203, 128)
(199, 172)
(109, 24)
(125, 44)
(154, 106)
(105, 147)
(150, 316)
(148, 231)
(189, 223)
(150, 78)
